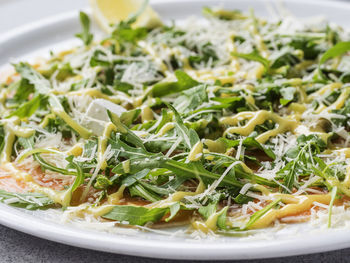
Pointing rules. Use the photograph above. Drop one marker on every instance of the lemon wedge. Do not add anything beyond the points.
(108, 12)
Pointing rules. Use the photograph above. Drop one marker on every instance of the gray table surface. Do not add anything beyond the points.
(19, 247)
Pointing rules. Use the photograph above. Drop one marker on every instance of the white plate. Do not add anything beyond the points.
(58, 32)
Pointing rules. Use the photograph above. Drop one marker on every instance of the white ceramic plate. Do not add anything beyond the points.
(37, 38)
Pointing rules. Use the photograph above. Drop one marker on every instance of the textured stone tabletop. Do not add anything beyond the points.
(19, 247)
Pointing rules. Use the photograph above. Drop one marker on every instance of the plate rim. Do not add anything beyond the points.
(129, 245)
(190, 250)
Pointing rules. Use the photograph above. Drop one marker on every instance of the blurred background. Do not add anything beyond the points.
(38, 9)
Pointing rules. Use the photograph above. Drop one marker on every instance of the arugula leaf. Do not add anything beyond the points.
(207, 54)
(289, 173)
(45, 165)
(251, 143)
(79, 179)
(238, 171)
(97, 61)
(128, 117)
(160, 190)
(30, 201)
(124, 150)
(208, 210)
(29, 108)
(301, 160)
(138, 190)
(62, 71)
(136, 215)
(174, 209)
(221, 221)
(344, 111)
(41, 84)
(167, 188)
(283, 57)
(23, 90)
(125, 131)
(309, 44)
(131, 179)
(242, 199)
(254, 56)
(2, 138)
(191, 99)
(125, 33)
(287, 95)
(331, 176)
(137, 164)
(231, 102)
(316, 143)
(189, 135)
(335, 51)
(85, 35)
(122, 86)
(103, 182)
(261, 212)
(183, 82)
(195, 170)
